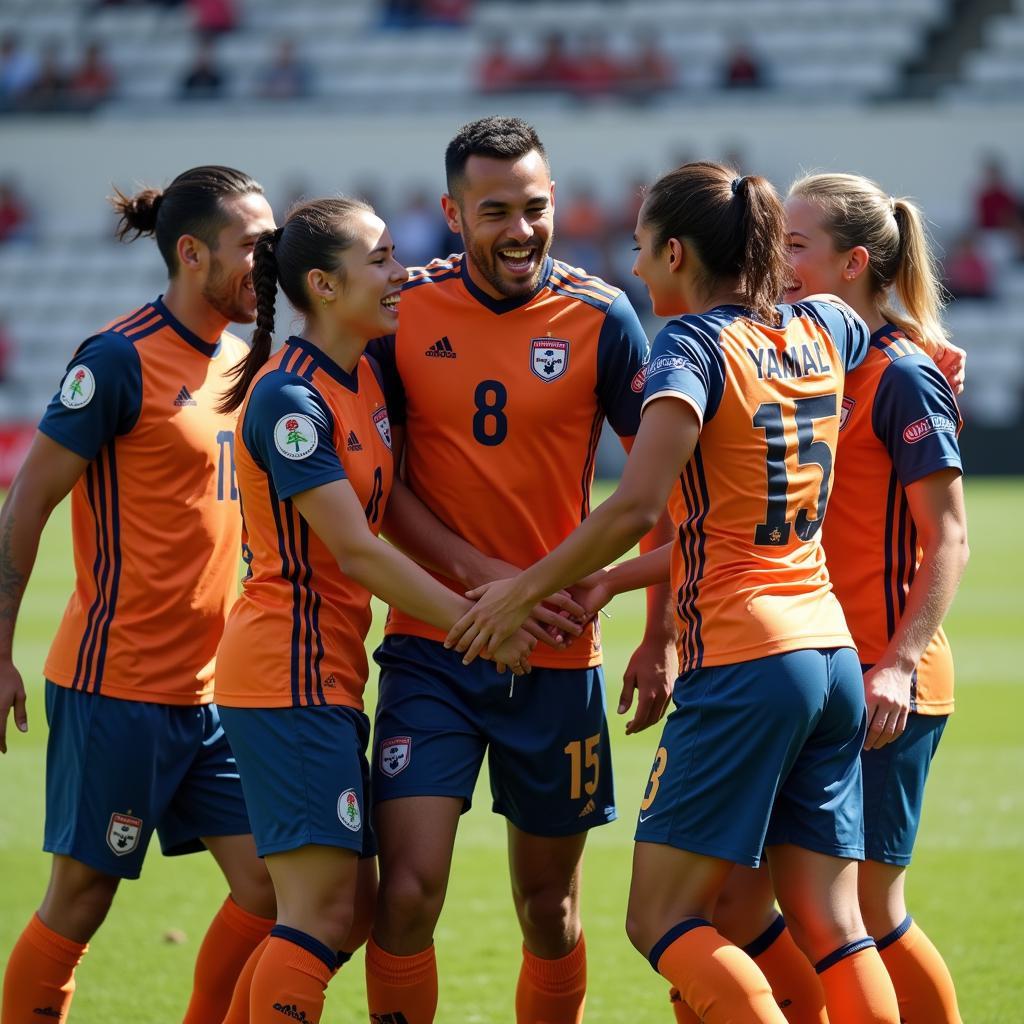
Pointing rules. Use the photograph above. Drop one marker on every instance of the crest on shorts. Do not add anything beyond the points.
(295, 436)
(348, 811)
(549, 357)
(123, 833)
(383, 425)
(846, 411)
(395, 755)
(78, 388)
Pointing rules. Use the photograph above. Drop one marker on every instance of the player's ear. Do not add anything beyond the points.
(322, 286)
(452, 213)
(676, 250)
(191, 252)
(857, 260)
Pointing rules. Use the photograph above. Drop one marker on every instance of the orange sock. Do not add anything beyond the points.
(796, 987)
(230, 940)
(238, 1011)
(400, 989)
(552, 991)
(718, 981)
(684, 1015)
(857, 987)
(920, 976)
(290, 978)
(40, 978)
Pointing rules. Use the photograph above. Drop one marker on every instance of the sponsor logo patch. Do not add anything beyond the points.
(639, 380)
(665, 363)
(935, 423)
(348, 811)
(383, 425)
(395, 755)
(123, 833)
(549, 357)
(295, 436)
(846, 411)
(78, 388)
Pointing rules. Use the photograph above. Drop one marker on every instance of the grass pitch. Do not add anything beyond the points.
(966, 886)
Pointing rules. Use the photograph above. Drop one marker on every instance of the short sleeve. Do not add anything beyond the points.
(622, 352)
(383, 351)
(915, 416)
(847, 330)
(100, 396)
(289, 432)
(687, 363)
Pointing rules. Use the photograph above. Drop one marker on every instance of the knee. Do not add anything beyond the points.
(639, 932)
(546, 909)
(410, 900)
(78, 900)
(818, 932)
(253, 890)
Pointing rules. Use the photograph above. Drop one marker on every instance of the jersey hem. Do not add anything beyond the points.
(131, 693)
(949, 462)
(231, 700)
(313, 482)
(672, 393)
(936, 709)
(67, 442)
(781, 646)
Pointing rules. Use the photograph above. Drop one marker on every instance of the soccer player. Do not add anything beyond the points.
(135, 744)
(499, 378)
(742, 408)
(313, 448)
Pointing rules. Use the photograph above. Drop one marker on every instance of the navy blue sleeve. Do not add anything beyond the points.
(100, 396)
(916, 417)
(622, 352)
(687, 361)
(382, 352)
(289, 431)
(848, 331)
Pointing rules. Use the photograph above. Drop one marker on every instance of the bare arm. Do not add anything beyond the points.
(937, 506)
(48, 473)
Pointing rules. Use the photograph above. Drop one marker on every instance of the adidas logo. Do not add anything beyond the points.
(388, 1018)
(588, 808)
(292, 1011)
(184, 397)
(47, 1011)
(353, 444)
(330, 681)
(441, 350)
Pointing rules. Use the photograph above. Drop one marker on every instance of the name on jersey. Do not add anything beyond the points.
(936, 423)
(798, 361)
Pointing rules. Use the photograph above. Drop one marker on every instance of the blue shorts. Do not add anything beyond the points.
(894, 781)
(762, 752)
(305, 776)
(547, 744)
(118, 769)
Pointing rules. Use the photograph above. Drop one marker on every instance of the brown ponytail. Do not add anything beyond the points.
(856, 211)
(735, 224)
(136, 213)
(264, 283)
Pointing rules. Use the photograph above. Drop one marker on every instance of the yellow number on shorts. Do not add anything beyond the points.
(584, 753)
(659, 769)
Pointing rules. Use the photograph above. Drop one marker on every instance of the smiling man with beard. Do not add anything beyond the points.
(504, 368)
(135, 744)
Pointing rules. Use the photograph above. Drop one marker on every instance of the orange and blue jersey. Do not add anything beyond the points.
(503, 402)
(748, 569)
(295, 636)
(899, 424)
(154, 518)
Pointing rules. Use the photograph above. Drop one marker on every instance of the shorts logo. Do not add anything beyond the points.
(78, 388)
(348, 811)
(383, 425)
(639, 380)
(295, 436)
(665, 363)
(846, 411)
(123, 833)
(291, 1011)
(933, 424)
(549, 357)
(395, 755)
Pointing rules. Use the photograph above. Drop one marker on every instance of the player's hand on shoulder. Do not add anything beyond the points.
(887, 695)
(12, 698)
(952, 363)
(650, 674)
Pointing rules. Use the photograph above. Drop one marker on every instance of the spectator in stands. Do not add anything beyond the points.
(647, 73)
(204, 80)
(49, 89)
(15, 217)
(742, 69)
(596, 72)
(997, 203)
(93, 82)
(18, 70)
(401, 13)
(554, 69)
(968, 275)
(214, 17)
(499, 71)
(419, 231)
(287, 77)
(447, 13)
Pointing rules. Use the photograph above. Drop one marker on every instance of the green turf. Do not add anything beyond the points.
(966, 886)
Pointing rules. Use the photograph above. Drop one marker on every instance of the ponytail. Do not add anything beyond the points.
(764, 274)
(264, 283)
(136, 213)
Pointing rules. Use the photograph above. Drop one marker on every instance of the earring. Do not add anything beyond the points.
(323, 302)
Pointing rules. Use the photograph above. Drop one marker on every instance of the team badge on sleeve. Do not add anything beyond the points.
(348, 811)
(383, 425)
(549, 357)
(846, 411)
(123, 833)
(78, 388)
(295, 436)
(395, 754)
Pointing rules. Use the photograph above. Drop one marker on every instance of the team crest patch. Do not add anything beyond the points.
(383, 425)
(348, 811)
(395, 755)
(295, 436)
(78, 388)
(846, 411)
(549, 357)
(123, 833)
(639, 380)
